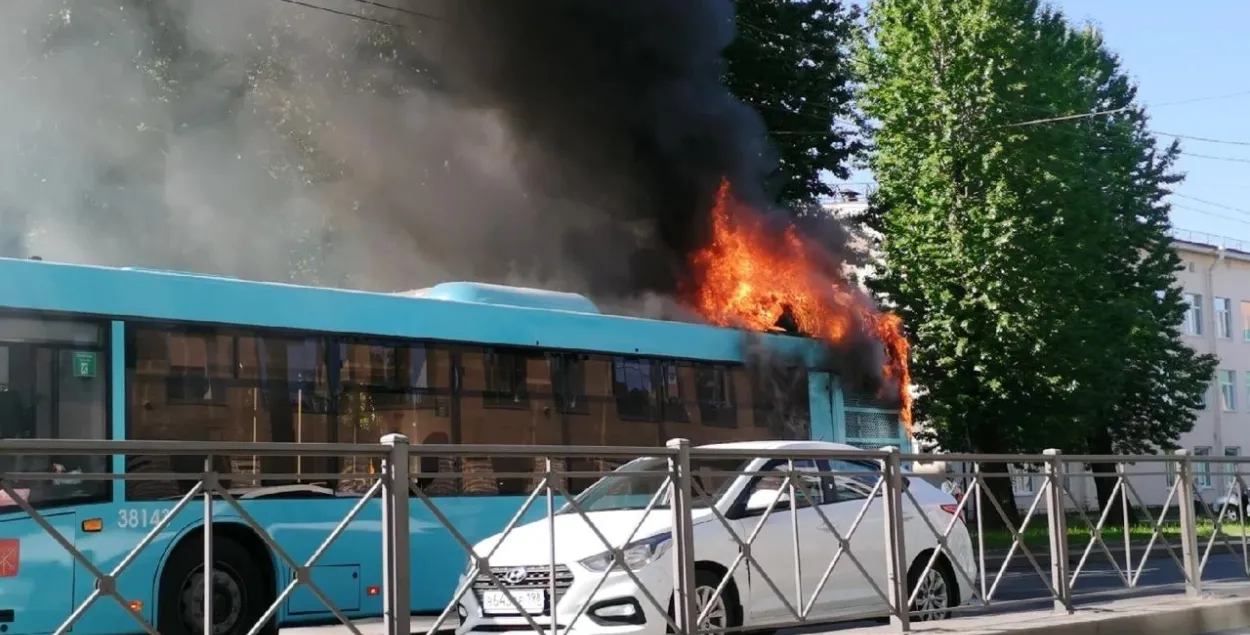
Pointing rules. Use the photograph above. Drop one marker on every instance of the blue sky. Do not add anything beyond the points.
(1189, 60)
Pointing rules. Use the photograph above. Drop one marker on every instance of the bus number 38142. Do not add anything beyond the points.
(140, 518)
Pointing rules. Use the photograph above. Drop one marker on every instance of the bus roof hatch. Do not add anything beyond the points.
(497, 294)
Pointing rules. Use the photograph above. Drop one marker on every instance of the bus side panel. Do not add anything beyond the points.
(298, 525)
(36, 573)
(124, 526)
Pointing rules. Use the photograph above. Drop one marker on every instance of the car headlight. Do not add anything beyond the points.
(636, 554)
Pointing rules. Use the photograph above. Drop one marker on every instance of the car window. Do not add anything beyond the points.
(775, 479)
(856, 481)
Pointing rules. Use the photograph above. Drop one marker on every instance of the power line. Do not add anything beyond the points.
(419, 14)
(1213, 203)
(1210, 213)
(1215, 158)
(341, 13)
(1113, 111)
(1203, 139)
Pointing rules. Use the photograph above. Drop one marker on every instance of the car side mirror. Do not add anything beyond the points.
(762, 499)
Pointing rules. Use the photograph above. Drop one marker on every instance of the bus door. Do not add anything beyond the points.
(36, 573)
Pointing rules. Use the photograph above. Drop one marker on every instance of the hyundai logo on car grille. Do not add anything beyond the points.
(515, 576)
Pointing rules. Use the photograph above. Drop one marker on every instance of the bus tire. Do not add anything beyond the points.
(240, 596)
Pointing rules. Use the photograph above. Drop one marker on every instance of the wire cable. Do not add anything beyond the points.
(345, 14)
(1203, 139)
(1213, 203)
(1113, 111)
(412, 12)
(1215, 158)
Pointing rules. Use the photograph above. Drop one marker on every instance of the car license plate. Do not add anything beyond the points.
(531, 601)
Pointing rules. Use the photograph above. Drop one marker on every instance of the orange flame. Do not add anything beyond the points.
(748, 277)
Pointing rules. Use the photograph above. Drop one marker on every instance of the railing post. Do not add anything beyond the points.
(1057, 521)
(1185, 496)
(681, 500)
(895, 549)
(210, 489)
(396, 609)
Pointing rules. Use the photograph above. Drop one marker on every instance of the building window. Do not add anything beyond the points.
(1171, 470)
(1228, 390)
(1231, 451)
(1245, 321)
(1022, 480)
(505, 380)
(1193, 315)
(1223, 318)
(1202, 469)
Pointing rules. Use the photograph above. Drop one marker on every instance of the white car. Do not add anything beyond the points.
(594, 599)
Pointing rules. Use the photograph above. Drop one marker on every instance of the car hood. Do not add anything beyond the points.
(575, 538)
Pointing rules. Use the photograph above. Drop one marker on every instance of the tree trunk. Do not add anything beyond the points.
(1105, 478)
(1000, 489)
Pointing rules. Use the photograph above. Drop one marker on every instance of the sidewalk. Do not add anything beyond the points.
(994, 557)
(1225, 607)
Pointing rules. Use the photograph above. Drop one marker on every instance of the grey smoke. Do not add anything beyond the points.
(567, 143)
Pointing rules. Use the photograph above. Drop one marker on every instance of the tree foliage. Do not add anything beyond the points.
(791, 62)
(1031, 262)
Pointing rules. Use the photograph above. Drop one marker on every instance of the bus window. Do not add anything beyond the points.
(505, 397)
(198, 384)
(781, 401)
(54, 385)
(389, 387)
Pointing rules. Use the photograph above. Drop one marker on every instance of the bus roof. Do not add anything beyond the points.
(456, 312)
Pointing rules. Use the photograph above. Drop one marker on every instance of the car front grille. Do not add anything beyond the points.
(533, 577)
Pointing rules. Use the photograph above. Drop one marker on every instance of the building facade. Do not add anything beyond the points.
(1215, 281)
(1215, 277)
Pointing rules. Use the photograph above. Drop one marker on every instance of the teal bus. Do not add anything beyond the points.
(123, 353)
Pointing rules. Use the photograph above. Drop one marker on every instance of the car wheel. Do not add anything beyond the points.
(936, 591)
(240, 596)
(1231, 514)
(726, 612)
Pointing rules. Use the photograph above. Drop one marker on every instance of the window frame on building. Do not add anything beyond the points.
(1222, 312)
(1192, 323)
(1202, 469)
(1245, 320)
(1228, 389)
(1231, 451)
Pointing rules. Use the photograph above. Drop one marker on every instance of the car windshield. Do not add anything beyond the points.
(633, 485)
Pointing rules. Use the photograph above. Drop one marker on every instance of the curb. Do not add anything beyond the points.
(1210, 615)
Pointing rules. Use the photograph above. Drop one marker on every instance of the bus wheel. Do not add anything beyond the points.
(239, 593)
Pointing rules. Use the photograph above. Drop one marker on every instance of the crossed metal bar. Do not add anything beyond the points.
(480, 564)
(804, 608)
(106, 583)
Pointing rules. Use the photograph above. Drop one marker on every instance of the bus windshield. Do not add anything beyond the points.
(633, 485)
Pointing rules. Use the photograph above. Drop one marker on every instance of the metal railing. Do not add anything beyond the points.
(804, 552)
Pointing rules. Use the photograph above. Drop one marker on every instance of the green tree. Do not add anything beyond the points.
(791, 62)
(1161, 381)
(1026, 259)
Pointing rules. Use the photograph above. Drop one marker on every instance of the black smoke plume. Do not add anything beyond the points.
(617, 108)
